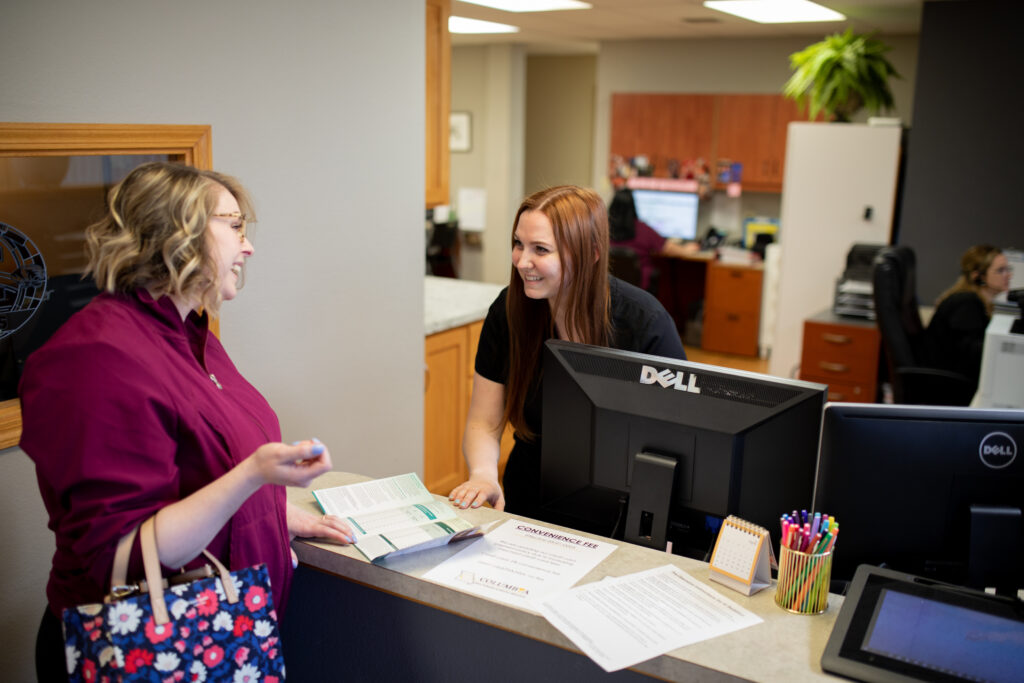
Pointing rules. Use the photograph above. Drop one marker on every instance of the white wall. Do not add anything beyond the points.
(318, 108)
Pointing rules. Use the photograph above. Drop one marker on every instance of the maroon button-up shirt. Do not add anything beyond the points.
(122, 416)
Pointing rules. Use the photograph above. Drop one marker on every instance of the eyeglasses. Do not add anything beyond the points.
(238, 224)
(1004, 270)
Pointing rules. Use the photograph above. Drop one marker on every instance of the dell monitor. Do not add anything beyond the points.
(671, 214)
(653, 450)
(932, 491)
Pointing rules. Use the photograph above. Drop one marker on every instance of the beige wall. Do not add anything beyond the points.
(320, 113)
(489, 82)
(560, 93)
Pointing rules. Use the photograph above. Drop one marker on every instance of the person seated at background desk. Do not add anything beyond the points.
(956, 331)
(559, 288)
(625, 229)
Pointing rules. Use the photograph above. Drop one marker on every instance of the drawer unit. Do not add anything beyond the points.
(732, 309)
(842, 354)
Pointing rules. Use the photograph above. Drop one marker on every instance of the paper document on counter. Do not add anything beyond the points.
(626, 620)
(520, 563)
(394, 516)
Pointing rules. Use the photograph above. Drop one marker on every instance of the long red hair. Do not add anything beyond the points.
(579, 221)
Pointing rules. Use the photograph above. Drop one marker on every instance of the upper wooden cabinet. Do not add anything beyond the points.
(438, 83)
(663, 127)
(750, 129)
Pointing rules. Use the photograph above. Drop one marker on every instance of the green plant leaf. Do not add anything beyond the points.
(840, 74)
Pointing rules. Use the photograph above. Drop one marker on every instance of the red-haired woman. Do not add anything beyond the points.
(559, 288)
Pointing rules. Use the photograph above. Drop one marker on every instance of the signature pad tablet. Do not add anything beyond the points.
(899, 627)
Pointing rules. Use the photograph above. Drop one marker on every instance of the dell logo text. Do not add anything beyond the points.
(997, 450)
(666, 378)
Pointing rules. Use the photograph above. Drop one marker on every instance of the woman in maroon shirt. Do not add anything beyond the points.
(133, 409)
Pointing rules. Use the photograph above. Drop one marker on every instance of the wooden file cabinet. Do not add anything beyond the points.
(448, 387)
(842, 353)
(732, 308)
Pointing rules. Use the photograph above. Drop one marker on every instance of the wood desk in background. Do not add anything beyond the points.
(731, 293)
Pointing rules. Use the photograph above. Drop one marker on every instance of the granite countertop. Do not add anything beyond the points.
(449, 303)
(784, 647)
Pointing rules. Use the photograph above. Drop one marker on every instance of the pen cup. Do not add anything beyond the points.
(803, 581)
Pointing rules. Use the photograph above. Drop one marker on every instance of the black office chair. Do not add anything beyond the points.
(443, 250)
(625, 265)
(912, 374)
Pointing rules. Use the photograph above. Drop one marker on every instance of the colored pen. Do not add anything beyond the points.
(815, 523)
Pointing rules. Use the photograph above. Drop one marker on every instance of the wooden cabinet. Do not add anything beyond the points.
(750, 129)
(438, 85)
(445, 402)
(663, 127)
(842, 353)
(732, 308)
(448, 387)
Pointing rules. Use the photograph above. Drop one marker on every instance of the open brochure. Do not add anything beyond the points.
(394, 516)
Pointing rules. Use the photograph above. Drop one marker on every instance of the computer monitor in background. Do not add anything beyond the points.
(671, 214)
(651, 449)
(932, 491)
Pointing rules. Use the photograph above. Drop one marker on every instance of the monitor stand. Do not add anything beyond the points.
(995, 552)
(650, 499)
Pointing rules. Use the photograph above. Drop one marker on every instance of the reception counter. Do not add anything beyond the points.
(352, 620)
(449, 303)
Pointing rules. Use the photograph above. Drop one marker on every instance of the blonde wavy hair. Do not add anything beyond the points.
(154, 233)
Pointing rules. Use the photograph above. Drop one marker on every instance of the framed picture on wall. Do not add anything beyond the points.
(460, 131)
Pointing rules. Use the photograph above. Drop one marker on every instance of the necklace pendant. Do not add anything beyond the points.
(214, 378)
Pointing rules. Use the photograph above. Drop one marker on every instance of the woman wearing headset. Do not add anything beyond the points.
(957, 329)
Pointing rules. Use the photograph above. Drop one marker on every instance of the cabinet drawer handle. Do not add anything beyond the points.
(836, 396)
(736, 273)
(732, 317)
(833, 367)
(836, 338)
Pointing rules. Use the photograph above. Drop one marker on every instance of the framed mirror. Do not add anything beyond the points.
(54, 178)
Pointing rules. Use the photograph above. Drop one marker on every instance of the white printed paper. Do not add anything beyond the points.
(623, 621)
(520, 563)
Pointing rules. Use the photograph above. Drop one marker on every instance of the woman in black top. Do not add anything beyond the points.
(559, 288)
(957, 328)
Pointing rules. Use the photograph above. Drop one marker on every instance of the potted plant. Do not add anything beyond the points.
(840, 75)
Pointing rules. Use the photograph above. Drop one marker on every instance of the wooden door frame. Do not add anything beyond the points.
(190, 144)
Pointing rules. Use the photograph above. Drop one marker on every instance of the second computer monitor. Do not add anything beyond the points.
(671, 214)
(928, 490)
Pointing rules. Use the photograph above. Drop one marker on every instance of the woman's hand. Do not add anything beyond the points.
(295, 465)
(476, 492)
(308, 525)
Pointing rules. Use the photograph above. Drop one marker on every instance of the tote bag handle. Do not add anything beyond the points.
(151, 564)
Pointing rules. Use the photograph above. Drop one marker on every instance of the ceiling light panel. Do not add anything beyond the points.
(775, 11)
(530, 5)
(464, 25)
